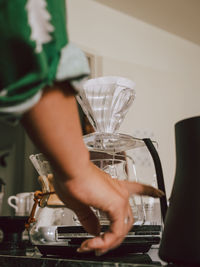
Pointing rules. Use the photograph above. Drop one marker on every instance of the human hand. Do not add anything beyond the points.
(95, 188)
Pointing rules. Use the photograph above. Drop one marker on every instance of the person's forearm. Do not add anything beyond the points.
(53, 125)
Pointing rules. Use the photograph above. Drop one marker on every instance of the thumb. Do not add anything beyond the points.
(142, 189)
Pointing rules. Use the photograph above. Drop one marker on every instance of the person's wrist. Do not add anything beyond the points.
(72, 168)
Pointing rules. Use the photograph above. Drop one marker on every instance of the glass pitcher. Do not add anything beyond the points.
(119, 166)
(51, 211)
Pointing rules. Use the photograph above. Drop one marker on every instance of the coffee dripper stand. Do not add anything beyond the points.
(105, 101)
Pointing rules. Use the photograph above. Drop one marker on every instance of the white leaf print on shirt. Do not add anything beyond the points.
(39, 21)
(3, 92)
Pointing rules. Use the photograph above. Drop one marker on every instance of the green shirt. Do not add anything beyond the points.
(33, 47)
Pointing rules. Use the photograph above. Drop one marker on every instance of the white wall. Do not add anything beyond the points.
(166, 70)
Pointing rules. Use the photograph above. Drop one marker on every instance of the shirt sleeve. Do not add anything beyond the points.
(34, 52)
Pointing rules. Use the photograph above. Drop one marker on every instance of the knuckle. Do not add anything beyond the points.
(116, 205)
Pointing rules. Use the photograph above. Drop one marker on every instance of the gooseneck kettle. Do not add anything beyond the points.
(181, 238)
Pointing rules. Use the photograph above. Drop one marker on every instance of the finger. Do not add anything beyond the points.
(88, 219)
(102, 243)
(112, 238)
(142, 189)
(108, 241)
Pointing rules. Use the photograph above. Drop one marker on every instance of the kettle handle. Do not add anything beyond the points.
(159, 174)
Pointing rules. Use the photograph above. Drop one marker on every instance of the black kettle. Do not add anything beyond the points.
(180, 242)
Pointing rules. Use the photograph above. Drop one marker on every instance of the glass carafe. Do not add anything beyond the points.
(51, 211)
(122, 167)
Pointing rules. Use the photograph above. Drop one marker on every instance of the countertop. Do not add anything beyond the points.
(33, 258)
(22, 253)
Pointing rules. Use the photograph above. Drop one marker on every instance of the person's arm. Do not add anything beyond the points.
(53, 125)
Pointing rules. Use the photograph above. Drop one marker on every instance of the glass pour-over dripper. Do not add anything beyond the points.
(105, 101)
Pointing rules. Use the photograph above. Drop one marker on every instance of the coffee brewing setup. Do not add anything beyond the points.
(55, 229)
